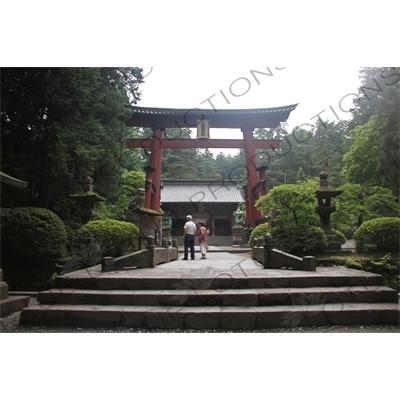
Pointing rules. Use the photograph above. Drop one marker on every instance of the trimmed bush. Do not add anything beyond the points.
(258, 232)
(342, 239)
(380, 234)
(299, 240)
(33, 241)
(115, 237)
(35, 231)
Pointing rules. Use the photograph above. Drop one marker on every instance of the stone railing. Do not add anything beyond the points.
(148, 258)
(263, 251)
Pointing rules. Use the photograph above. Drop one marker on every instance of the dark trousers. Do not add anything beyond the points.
(189, 244)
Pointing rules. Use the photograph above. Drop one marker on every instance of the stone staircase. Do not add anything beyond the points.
(216, 299)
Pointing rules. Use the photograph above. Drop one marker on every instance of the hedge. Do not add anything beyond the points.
(380, 234)
(114, 237)
(35, 231)
(33, 241)
(299, 240)
(258, 232)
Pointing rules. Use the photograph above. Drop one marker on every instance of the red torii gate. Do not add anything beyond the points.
(247, 120)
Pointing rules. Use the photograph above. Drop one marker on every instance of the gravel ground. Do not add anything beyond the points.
(325, 329)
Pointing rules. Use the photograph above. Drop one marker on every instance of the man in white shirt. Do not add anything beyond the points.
(188, 237)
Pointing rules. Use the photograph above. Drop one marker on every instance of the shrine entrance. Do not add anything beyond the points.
(247, 120)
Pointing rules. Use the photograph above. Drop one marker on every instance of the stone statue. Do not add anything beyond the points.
(138, 200)
(88, 185)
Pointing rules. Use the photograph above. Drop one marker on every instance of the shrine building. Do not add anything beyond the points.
(213, 202)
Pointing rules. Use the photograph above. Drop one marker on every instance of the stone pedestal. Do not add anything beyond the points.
(10, 304)
(238, 233)
(132, 217)
(333, 242)
(149, 223)
(146, 225)
(167, 236)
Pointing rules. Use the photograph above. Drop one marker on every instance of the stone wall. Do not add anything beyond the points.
(275, 259)
(149, 258)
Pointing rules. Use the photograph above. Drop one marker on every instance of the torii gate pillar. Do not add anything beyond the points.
(153, 171)
(252, 214)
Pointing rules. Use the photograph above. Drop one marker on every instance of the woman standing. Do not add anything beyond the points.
(202, 235)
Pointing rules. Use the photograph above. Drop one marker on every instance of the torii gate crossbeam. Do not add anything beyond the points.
(202, 144)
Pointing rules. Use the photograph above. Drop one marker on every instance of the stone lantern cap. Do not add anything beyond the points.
(147, 211)
(324, 189)
(88, 194)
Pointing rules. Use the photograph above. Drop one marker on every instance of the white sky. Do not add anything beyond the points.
(315, 89)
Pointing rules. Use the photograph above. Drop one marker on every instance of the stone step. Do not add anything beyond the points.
(222, 281)
(229, 318)
(231, 297)
(13, 304)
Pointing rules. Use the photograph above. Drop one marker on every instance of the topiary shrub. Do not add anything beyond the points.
(299, 240)
(35, 231)
(380, 234)
(258, 232)
(342, 238)
(115, 237)
(33, 240)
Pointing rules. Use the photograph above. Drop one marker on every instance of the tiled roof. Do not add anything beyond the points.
(238, 118)
(200, 112)
(201, 191)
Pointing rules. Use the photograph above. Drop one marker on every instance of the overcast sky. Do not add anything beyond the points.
(315, 89)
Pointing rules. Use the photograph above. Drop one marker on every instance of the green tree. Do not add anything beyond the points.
(301, 176)
(130, 182)
(179, 163)
(232, 168)
(60, 125)
(330, 141)
(373, 158)
(359, 203)
(379, 88)
(293, 203)
(206, 165)
(137, 159)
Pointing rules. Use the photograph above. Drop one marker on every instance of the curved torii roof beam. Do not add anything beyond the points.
(187, 118)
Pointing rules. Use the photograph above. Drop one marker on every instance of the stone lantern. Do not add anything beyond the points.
(325, 194)
(87, 199)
